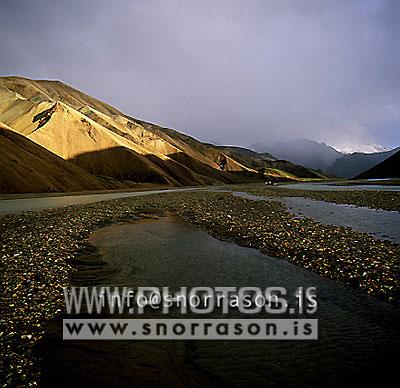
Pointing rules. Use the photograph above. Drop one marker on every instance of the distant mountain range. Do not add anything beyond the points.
(56, 138)
(363, 149)
(265, 161)
(307, 153)
(389, 168)
(323, 157)
(349, 166)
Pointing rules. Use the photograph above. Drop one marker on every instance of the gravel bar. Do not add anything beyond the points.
(373, 199)
(37, 247)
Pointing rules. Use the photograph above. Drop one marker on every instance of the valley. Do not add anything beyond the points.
(73, 168)
(199, 194)
(46, 246)
(111, 150)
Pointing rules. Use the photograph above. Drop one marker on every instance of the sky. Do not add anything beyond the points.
(230, 72)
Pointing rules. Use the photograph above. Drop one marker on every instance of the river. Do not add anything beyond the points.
(358, 335)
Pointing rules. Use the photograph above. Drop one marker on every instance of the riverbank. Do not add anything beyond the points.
(336, 252)
(133, 188)
(161, 249)
(379, 199)
(36, 249)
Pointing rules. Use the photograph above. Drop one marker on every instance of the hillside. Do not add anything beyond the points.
(304, 152)
(103, 141)
(27, 167)
(36, 91)
(354, 164)
(266, 162)
(389, 168)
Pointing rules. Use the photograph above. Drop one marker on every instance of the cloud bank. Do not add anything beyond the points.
(230, 72)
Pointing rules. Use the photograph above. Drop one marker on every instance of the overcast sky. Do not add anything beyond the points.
(230, 72)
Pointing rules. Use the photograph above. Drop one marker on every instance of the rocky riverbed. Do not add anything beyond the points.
(37, 248)
(374, 199)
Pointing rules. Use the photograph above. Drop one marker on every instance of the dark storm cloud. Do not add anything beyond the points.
(226, 71)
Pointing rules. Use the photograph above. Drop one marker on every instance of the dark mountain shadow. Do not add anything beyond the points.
(122, 163)
(355, 164)
(27, 167)
(207, 171)
(179, 170)
(181, 173)
(389, 168)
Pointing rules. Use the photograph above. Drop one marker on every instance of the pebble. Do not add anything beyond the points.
(36, 248)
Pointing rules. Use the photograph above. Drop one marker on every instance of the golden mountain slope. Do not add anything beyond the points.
(75, 137)
(103, 141)
(12, 104)
(26, 167)
(38, 91)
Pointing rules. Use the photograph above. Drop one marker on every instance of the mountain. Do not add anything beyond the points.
(34, 92)
(354, 164)
(104, 142)
(323, 157)
(389, 168)
(307, 153)
(263, 161)
(247, 157)
(115, 150)
(27, 167)
(362, 148)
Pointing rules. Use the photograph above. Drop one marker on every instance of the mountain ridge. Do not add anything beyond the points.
(388, 168)
(356, 163)
(104, 142)
(323, 157)
(304, 152)
(47, 172)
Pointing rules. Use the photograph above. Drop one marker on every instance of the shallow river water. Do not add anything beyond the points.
(358, 335)
(382, 224)
(12, 206)
(339, 187)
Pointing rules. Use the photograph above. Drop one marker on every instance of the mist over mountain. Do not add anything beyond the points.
(321, 156)
(305, 152)
(389, 168)
(362, 148)
(354, 164)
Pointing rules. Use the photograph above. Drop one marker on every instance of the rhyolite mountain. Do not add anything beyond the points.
(113, 150)
(28, 167)
(270, 164)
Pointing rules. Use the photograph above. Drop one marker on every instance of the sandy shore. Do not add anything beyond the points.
(36, 249)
